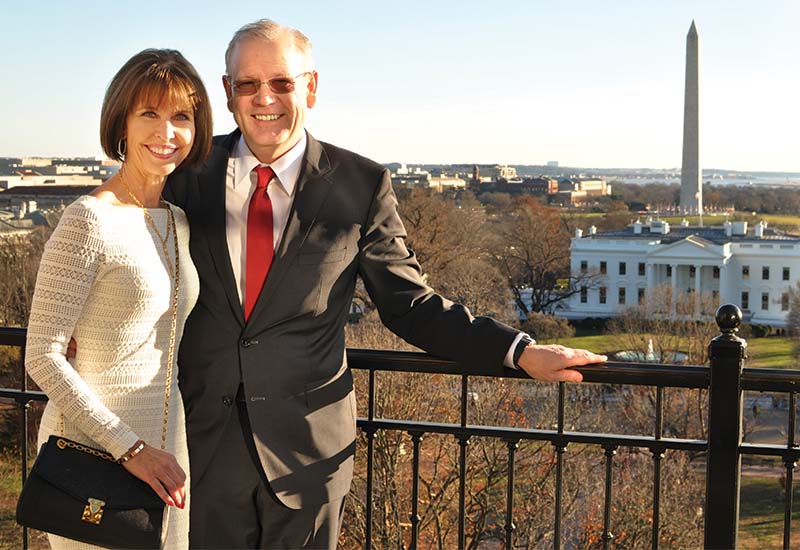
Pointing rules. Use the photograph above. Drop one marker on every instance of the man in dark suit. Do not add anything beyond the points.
(281, 227)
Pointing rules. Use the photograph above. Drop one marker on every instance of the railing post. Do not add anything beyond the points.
(726, 354)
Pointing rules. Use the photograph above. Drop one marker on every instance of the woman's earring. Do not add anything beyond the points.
(122, 147)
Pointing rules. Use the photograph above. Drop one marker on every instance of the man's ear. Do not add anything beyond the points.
(311, 97)
(228, 92)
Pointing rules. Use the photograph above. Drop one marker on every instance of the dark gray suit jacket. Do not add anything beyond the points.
(290, 355)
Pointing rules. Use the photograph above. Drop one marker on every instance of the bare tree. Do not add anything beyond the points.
(19, 264)
(453, 239)
(534, 257)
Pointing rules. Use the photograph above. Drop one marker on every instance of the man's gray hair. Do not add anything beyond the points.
(270, 31)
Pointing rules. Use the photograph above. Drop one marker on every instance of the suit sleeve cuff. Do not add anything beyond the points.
(508, 361)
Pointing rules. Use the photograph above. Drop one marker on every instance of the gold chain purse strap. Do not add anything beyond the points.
(64, 443)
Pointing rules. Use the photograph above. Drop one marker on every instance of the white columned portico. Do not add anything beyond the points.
(723, 284)
(674, 281)
(650, 270)
(697, 280)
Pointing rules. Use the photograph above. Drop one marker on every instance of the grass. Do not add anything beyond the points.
(775, 219)
(774, 352)
(10, 531)
(789, 222)
(597, 343)
(761, 513)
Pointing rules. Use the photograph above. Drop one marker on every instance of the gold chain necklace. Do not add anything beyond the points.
(176, 278)
(149, 219)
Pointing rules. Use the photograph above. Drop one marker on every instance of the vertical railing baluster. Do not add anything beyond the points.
(789, 464)
(724, 463)
(369, 431)
(512, 445)
(610, 451)
(415, 518)
(25, 410)
(560, 448)
(463, 441)
(659, 426)
(792, 420)
(658, 455)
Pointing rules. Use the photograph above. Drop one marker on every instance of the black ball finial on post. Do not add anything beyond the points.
(726, 354)
(729, 318)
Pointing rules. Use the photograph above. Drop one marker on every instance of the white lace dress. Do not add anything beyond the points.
(103, 280)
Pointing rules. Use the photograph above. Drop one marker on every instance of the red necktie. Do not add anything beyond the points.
(260, 248)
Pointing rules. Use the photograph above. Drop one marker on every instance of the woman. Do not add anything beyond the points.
(108, 279)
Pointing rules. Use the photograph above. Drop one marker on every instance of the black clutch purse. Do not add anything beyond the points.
(82, 493)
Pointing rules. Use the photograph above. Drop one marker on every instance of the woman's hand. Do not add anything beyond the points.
(162, 472)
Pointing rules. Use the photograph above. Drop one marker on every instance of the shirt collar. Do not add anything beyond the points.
(286, 168)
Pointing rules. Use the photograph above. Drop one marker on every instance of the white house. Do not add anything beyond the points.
(753, 268)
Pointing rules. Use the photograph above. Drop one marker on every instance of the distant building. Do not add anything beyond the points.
(443, 183)
(410, 178)
(572, 191)
(55, 171)
(540, 186)
(753, 268)
(36, 162)
(44, 196)
(504, 172)
(552, 164)
(31, 178)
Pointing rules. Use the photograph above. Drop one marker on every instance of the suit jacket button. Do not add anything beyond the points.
(227, 400)
(247, 342)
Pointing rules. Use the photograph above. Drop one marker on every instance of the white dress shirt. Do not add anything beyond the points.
(240, 183)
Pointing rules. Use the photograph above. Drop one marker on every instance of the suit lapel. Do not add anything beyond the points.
(312, 188)
(212, 183)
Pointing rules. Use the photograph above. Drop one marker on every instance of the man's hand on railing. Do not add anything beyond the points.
(551, 363)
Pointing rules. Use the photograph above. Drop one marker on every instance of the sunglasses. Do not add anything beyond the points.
(281, 85)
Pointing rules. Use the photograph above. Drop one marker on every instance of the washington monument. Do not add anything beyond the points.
(691, 174)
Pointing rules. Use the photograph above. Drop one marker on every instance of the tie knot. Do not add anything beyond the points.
(265, 175)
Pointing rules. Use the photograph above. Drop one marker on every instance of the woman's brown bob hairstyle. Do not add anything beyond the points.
(152, 77)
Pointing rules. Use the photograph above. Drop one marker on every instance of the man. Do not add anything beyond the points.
(282, 225)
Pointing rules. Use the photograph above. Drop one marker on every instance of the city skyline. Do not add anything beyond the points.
(445, 82)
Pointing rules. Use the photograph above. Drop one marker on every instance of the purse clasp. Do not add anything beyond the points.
(93, 512)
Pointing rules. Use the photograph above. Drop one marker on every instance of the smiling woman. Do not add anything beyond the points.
(117, 280)
(157, 84)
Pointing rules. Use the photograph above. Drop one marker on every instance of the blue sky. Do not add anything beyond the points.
(585, 83)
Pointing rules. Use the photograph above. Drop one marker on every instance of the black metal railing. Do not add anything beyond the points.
(725, 379)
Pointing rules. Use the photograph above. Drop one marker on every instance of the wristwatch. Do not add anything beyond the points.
(523, 343)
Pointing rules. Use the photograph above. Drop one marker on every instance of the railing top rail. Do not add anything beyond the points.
(12, 336)
(771, 379)
(22, 396)
(648, 374)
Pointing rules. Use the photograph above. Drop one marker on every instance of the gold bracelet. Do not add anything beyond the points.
(133, 451)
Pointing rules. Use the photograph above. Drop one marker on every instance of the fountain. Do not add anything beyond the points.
(650, 355)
